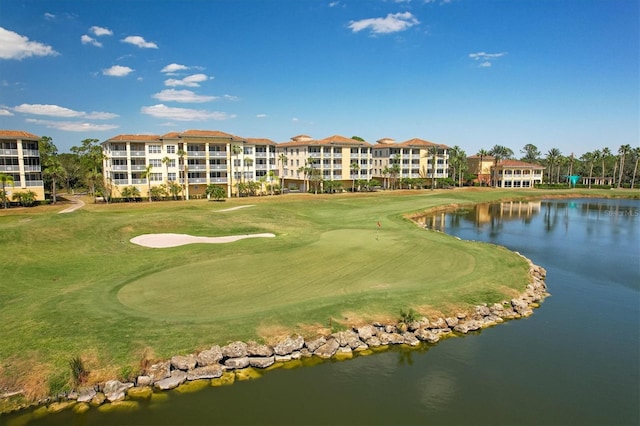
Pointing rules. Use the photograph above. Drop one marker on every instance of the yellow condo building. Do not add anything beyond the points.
(20, 160)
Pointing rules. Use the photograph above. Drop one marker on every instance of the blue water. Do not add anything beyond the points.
(574, 362)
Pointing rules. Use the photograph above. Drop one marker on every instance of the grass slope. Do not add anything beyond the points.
(73, 284)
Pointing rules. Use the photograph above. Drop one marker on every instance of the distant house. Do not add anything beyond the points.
(481, 167)
(20, 159)
(516, 174)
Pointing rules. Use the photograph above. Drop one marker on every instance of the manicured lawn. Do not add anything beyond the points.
(73, 285)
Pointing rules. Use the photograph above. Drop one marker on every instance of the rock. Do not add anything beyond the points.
(159, 371)
(209, 356)
(114, 390)
(366, 332)
(235, 350)
(414, 325)
(461, 315)
(328, 349)
(451, 321)
(207, 372)
(143, 381)
(519, 305)
(348, 338)
(183, 363)
(261, 362)
(235, 363)
(482, 311)
(427, 335)
(391, 338)
(140, 392)
(467, 326)
(438, 323)
(86, 394)
(177, 378)
(410, 339)
(373, 342)
(390, 329)
(256, 349)
(283, 358)
(289, 345)
(296, 354)
(314, 344)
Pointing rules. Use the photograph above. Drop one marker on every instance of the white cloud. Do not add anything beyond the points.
(58, 111)
(231, 98)
(5, 112)
(85, 39)
(99, 31)
(172, 95)
(117, 71)
(171, 68)
(190, 81)
(184, 114)
(49, 16)
(485, 58)
(334, 3)
(15, 46)
(261, 115)
(140, 42)
(392, 23)
(73, 126)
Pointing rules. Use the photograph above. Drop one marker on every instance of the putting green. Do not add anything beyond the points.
(340, 264)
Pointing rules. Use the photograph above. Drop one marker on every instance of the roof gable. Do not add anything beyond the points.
(18, 134)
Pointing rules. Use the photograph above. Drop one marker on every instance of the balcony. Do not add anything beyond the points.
(12, 168)
(30, 153)
(138, 167)
(138, 153)
(217, 167)
(197, 167)
(138, 181)
(261, 154)
(118, 153)
(120, 167)
(34, 183)
(217, 154)
(9, 152)
(29, 168)
(218, 180)
(197, 180)
(315, 155)
(196, 153)
(121, 181)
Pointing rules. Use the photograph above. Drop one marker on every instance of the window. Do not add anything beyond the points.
(171, 149)
(156, 177)
(155, 162)
(172, 177)
(155, 149)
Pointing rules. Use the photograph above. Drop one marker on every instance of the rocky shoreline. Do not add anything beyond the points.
(224, 364)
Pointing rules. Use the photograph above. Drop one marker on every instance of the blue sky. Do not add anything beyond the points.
(473, 73)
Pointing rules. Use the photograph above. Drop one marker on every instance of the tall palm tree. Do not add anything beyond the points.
(147, 175)
(237, 150)
(482, 153)
(589, 158)
(385, 176)
(248, 162)
(165, 161)
(6, 180)
(185, 184)
(552, 158)
(272, 177)
(285, 161)
(54, 171)
(636, 152)
(354, 170)
(606, 155)
(454, 160)
(433, 151)
(623, 151)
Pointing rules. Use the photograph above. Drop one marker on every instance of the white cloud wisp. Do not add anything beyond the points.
(16, 46)
(392, 23)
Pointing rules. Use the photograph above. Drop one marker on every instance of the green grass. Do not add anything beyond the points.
(72, 285)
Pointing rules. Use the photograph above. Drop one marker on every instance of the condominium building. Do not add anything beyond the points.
(481, 167)
(336, 159)
(516, 174)
(20, 159)
(413, 158)
(193, 159)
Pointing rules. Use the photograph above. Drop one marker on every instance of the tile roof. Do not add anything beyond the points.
(484, 157)
(421, 143)
(331, 140)
(208, 133)
(260, 141)
(133, 138)
(18, 134)
(518, 163)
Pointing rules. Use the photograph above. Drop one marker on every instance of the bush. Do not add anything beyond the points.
(78, 373)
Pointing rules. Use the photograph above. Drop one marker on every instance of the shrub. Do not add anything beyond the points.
(78, 372)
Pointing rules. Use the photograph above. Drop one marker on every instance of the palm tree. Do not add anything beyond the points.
(636, 152)
(354, 170)
(237, 150)
(181, 154)
(433, 150)
(589, 158)
(6, 180)
(606, 154)
(385, 176)
(54, 171)
(284, 160)
(552, 157)
(147, 175)
(623, 151)
(166, 160)
(482, 153)
(272, 177)
(248, 162)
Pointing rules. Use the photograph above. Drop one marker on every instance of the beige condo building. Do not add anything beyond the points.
(20, 159)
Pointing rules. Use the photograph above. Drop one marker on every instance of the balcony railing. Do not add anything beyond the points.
(218, 154)
(218, 180)
(197, 180)
(197, 167)
(120, 167)
(217, 166)
(34, 183)
(138, 181)
(138, 153)
(196, 153)
(138, 167)
(12, 168)
(118, 153)
(30, 153)
(121, 181)
(29, 168)
(9, 152)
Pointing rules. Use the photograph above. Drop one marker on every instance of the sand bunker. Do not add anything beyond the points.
(175, 240)
(234, 208)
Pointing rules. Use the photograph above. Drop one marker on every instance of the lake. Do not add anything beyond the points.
(574, 362)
